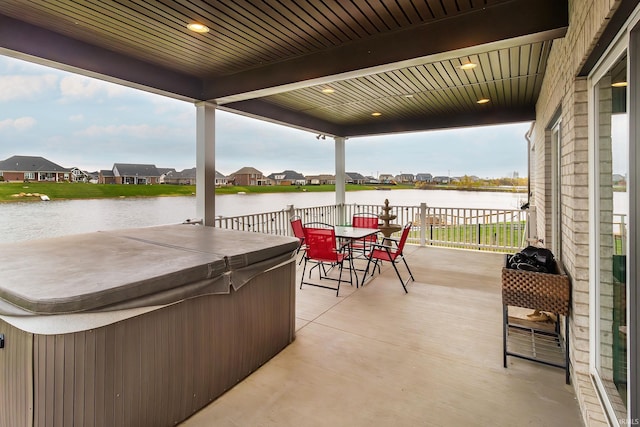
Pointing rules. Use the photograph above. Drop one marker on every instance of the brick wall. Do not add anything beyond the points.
(565, 96)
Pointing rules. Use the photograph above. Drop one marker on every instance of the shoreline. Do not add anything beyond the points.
(32, 192)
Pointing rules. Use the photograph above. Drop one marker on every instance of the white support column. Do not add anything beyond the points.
(340, 178)
(206, 162)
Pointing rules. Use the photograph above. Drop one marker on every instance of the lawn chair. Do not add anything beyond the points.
(320, 240)
(298, 231)
(364, 220)
(391, 250)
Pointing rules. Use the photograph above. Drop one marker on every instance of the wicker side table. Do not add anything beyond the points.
(535, 341)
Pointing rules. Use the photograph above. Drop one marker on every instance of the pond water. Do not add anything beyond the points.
(33, 220)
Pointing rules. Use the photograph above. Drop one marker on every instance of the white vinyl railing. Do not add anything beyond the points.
(498, 230)
(501, 230)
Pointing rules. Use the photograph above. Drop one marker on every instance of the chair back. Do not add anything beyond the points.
(365, 220)
(297, 227)
(403, 237)
(320, 239)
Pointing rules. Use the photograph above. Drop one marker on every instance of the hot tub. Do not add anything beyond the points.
(139, 327)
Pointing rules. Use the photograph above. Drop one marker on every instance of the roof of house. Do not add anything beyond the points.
(164, 171)
(246, 171)
(322, 176)
(355, 176)
(106, 172)
(287, 174)
(128, 169)
(30, 164)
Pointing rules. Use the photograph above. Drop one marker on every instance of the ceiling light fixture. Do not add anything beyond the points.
(619, 84)
(198, 28)
(376, 114)
(328, 90)
(468, 66)
(483, 100)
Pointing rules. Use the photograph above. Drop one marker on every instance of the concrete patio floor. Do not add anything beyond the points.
(376, 356)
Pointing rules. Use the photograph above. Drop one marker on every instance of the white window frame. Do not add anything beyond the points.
(625, 41)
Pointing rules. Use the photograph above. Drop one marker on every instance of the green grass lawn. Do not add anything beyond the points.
(18, 191)
(65, 190)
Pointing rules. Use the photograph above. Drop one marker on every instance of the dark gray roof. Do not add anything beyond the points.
(106, 172)
(127, 169)
(287, 174)
(355, 176)
(165, 170)
(30, 164)
(184, 174)
(247, 170)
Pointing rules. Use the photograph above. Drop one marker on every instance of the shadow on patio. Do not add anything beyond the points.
(378, 356)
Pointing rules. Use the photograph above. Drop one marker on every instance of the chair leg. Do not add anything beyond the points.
(366, 270)
(399, 277)
(408, 269)
(303, 271)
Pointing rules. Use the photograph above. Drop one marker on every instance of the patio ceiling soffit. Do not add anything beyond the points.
(500, 25)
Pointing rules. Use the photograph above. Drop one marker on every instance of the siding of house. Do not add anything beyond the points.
(564, 93)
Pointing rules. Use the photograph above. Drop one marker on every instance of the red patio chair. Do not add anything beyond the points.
(298, 231)
(321, 250)
(391, 250)
(364, 220)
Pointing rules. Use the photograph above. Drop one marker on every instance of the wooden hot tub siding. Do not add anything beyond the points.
(155, 369)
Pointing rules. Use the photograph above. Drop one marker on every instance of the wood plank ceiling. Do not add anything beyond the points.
(275, 59)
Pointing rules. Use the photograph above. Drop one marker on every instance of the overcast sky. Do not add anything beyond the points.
(74, 120)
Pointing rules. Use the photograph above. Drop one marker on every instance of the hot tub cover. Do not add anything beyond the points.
(125, 269)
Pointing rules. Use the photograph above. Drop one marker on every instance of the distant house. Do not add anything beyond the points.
(94, 177)
(372, 180)
(323, 179)
(31, 168)
(355, 178)
(441, 180)
(424, 177)
(163, 173)
(184, 177)
(106, 176)
(248, 176)
(137, 174)
(78, 175)
(386, 178)
(405, 178)
(221, 180)
(287, 177)
(188, 177)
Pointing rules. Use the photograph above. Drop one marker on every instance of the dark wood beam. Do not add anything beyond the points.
(73, 55)
(494, 117)
(267, 111)
(528, 20)
(273, 113)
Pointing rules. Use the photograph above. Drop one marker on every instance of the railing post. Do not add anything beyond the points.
(423, 224)
(290, 212)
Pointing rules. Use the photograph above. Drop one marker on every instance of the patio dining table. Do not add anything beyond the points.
(354, 233)
(349, 233)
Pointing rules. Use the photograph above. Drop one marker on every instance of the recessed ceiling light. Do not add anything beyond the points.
(328, 90)
(483, 100)
(198, 28)
(376, 114)
(468, 66)
(409, 95)
(619, 84)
